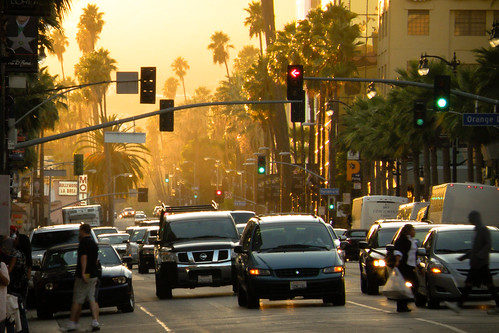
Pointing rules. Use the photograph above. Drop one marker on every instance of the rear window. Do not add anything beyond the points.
(359, 233)
(137, 235)
(45, 240)
(67, 258)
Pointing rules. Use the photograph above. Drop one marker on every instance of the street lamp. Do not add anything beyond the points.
(494, 35)
(424, 69)
(371, 90)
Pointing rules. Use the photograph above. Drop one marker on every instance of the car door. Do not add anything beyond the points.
(423, 261)
(243, 257)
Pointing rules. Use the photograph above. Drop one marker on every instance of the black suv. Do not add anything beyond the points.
(146, 250)
(373, 272)
(194, 250)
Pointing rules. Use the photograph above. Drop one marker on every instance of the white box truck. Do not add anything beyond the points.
(366, 210)
(452, 202)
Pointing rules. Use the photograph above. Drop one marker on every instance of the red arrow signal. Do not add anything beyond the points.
(295, 72)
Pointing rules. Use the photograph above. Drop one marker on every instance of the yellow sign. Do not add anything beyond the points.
(353, 168)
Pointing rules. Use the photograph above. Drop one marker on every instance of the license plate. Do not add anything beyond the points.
(205, 278)
(294, 285)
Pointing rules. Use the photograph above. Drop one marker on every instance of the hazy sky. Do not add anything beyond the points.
(155, 32)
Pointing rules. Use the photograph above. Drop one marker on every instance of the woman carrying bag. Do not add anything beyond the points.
(405, 260)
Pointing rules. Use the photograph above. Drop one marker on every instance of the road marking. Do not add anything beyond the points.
(155, 318)
(452, 328)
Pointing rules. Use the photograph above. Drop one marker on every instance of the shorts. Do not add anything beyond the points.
(84, 291)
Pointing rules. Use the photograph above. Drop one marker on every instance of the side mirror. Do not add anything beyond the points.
(421, 251)
(344, 245)
(363, 245)
(239, 249)
(390, 247)
(343, 238)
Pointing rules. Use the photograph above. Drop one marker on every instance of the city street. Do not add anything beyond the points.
(216, 310)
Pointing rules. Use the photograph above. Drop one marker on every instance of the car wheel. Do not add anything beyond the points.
(433, 302)
(327, 299)
(372, 287)
(242, 300)
(339, 299)
(130, 306)
(363, 284)
(252, 301)
(44, 313)
(163, 289)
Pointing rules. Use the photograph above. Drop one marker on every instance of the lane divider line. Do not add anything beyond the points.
(452, 328)
(166, 328)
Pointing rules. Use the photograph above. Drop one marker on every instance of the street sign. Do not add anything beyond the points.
(239, 203)
(127, 82)
(329, 191)
(124, 137)
(480, 119)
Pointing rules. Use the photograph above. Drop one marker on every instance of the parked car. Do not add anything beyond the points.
(146, 250)
(337, 243)
(353, 237)
(288, 256)
(194, 250)
(373, 272)
(140, 216)
(54, 282)
(118, 241)
(105, 230)
(132, 248)
(441, 275)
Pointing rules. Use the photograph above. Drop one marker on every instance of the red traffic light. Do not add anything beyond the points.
(218, 192)
(295, 72)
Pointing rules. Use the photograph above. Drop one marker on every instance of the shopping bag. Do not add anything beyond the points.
(395, 287)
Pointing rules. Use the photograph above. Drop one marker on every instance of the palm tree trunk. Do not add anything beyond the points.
(417, 184)
(389, 177)
(261, 44)
(446, 163)
(478, 163)
(470, 161)
(426, 171)
(183, 85)
(434, 165)
(403, 176)
(227, 70)
(62, 69)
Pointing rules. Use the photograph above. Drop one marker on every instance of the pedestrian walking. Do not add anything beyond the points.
(85, 281)
(405, 260)
(479, 273)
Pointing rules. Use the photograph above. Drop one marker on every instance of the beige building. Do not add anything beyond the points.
(408, 28)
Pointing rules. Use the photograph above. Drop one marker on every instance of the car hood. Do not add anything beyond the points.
(308, 259)
(451, 259)
(204, 244)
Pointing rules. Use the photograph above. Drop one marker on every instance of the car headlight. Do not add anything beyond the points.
(119, 280)
(333, 269)
(379, 263)
(166, 255)
(259, 272)
(436, 267)
(49, 286)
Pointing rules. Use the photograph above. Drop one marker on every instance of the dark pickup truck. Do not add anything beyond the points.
(194, 250)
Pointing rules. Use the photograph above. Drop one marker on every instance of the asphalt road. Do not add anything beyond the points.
(216, 310)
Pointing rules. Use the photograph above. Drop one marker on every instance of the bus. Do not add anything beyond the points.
(452, 202)
(90, 214)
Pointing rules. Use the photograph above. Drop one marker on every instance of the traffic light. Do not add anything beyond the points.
(262, 165)
(419, 113)
(78, 164)
(219, 196)
(294, 81)
(142, 195)
(167, 179)
(331, 203)
(441, 97)
(166, 118)
(148, 85)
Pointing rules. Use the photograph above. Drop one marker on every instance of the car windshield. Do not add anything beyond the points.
(201, 228)
(241, 217)
(358, 233)
(137, 234)
(460, 241)
(45, 240)
(292, 236)
(68, 258)
(114, 239)
(385, 236)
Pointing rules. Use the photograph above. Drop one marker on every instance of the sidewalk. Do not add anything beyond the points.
(41, 326)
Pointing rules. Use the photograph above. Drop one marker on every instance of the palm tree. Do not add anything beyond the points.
(89, 28)
(180, 66)
(170, 88)
(220, 47)
(255, 22)
(95, 67)
(59, 43)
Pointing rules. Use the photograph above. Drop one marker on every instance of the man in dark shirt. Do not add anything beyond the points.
(85, 280)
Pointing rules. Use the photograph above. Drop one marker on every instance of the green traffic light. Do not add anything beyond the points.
(331, 206)
(420, 122)
(261, 170)
(442, 103)
(167, 180)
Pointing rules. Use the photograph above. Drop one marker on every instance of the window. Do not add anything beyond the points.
(418, 23)
(469, 23)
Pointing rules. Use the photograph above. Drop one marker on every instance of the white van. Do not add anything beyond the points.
(366, 210)
(452, 202)
(409, 211)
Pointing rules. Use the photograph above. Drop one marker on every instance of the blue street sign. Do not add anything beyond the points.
(329, 191)
(480, 119)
